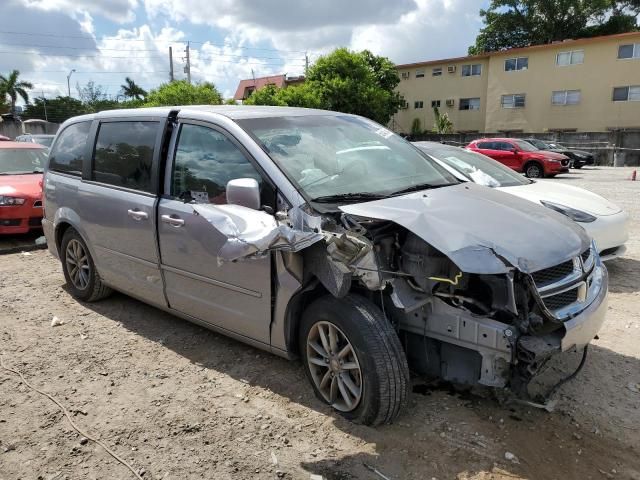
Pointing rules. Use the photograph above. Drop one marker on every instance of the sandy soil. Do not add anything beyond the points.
(180, 402)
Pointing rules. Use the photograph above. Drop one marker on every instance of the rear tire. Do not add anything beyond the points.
(80, 272)
(534, 170)
(372, 384)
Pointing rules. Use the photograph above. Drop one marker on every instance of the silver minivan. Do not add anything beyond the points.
(321, 236)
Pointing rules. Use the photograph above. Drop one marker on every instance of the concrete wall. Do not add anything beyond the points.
(12, 129)
(595, 78)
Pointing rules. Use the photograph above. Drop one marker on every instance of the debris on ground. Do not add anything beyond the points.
(56, 322)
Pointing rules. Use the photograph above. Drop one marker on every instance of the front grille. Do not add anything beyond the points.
(553, 274)
(11, 222)
(35, 222)
(561, 300)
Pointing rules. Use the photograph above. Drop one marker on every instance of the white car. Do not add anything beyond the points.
(603, 220)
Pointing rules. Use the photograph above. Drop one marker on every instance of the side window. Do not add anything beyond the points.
(504, 146)
(67, 155)
(486, 145)
(124, 154)
(205, 161)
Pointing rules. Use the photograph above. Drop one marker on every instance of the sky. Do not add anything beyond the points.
(107, 40)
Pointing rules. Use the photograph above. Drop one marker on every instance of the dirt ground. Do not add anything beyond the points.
(180, 402)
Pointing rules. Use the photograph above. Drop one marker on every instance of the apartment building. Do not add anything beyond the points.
(590, 85)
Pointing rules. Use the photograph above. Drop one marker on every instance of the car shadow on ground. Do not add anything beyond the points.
(624, 275)
(442, 433)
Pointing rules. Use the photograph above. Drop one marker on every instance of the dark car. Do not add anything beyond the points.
(578, 158)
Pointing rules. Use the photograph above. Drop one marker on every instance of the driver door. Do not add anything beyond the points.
(235, 296)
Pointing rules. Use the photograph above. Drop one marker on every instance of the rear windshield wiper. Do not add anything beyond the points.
(354, 197)
(416, 188)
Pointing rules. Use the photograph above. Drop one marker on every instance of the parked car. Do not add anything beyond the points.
(44, 140)
(603, 220)
(521, 156)
(321, 235)
(4, 139)
(578, 158)
(21, 167)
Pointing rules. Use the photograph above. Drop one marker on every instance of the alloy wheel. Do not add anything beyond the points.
(533, 171)
(77, 263)
(334, 366)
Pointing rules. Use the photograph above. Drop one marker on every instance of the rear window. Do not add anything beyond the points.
(16, 161)
(124, 154)
(67, 155)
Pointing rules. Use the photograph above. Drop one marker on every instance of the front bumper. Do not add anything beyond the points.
(610, 232)
(583, 327)
(21, 219)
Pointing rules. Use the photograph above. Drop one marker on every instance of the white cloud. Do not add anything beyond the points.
(120, 11)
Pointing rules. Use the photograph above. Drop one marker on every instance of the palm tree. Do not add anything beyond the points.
(131, 90)
(13, 87)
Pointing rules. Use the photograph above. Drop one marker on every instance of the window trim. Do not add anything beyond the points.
(420, 73)
(87, 176)
(628, 99)
(471, 74)
(436, 69)
(173, 149)
(570, 52)
(470, 109)
(634, 56)
(513, 96)
(515, 69)
(566, 96)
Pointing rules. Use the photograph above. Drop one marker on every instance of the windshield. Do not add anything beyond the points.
(526, 146)
(476, 167)
(45, 141)
(21, 160)
(539, 144)
(327, 156)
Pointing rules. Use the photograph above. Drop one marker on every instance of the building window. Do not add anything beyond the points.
(469, 104)
(419, 73)
(472, 70)
(629, 51)
(405, 75)
(513, 101)
(565, 97)
(574, 57)
(435, 103)
(512, 64)
(627, 94)
(437, 72)
(418, 104)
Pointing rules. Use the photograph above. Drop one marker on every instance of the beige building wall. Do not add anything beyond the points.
(447, 86)
(596, 77)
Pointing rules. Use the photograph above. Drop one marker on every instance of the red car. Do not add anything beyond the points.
(21, 166)
(522, 156)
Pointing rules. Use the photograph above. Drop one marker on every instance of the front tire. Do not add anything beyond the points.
(534, 170)
(354, 360)
(80, 272)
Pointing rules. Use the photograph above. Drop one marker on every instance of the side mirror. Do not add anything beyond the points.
(244, 192)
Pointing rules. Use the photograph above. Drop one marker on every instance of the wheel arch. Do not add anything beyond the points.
(533, 162)
(312, 290)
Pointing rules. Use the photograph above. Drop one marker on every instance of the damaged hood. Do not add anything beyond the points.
(480, 229)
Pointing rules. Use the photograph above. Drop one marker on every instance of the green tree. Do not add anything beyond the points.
(132, 90)
(267, 95)
(58, 109)
(303, 95)
(442, 124)
(183, 93)
(520, 23)
(12, 87)
(356, 82)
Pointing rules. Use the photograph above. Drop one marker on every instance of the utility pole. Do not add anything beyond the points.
(44, 101)
(187, 68)
(170, 64)
(306, 64)
(69, 82)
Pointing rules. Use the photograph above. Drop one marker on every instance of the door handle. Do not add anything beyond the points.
(138, 214)
(173, 221)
